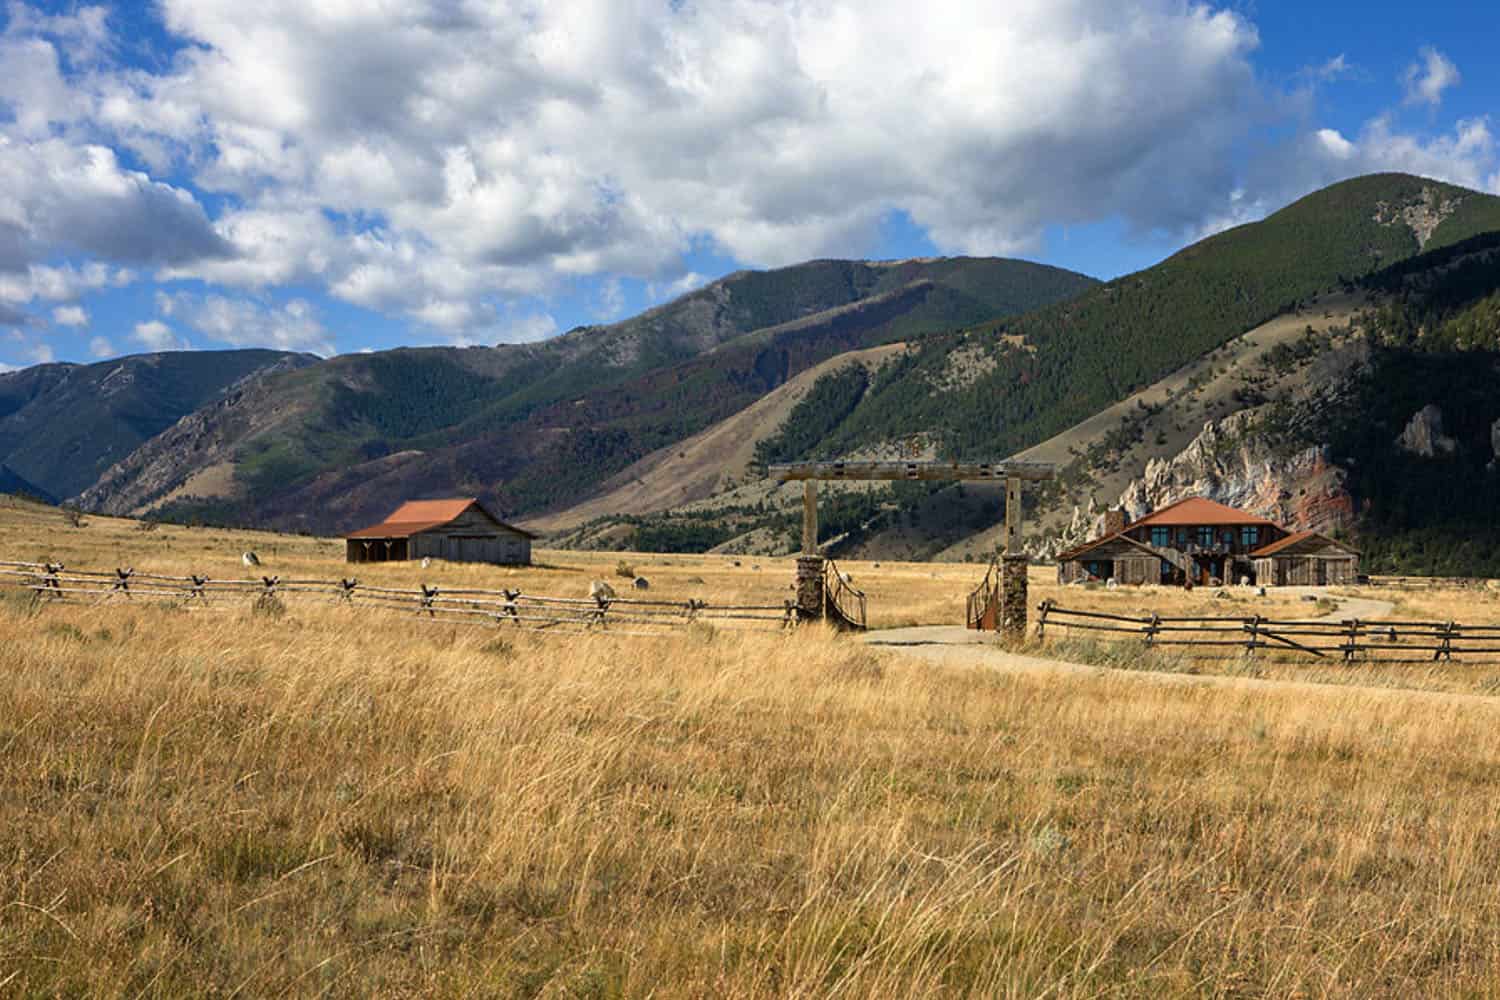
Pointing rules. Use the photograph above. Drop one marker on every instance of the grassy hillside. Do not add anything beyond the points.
(62, 425)
(1045, 371)
(542, 426)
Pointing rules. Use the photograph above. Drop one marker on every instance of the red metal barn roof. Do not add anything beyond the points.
(417, 516)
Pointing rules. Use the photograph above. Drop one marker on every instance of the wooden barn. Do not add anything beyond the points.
(459, 530)
(1308, 559)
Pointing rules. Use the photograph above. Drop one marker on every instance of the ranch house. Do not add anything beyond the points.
(1205, 542)
(459, 530)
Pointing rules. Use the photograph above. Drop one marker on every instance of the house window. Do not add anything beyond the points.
(1161, 536)
(1250, 537)
(1206, 536)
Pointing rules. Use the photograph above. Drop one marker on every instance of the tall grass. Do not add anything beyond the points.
(223, 803)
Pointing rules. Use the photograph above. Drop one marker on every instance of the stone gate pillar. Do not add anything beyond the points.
(810, 587)
(1012, 619)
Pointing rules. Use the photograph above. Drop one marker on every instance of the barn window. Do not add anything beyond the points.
(1250, 536)
(1161, 536)
(1206, 535)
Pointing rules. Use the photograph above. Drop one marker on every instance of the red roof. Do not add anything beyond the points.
(1086, 547)
(1196, 510)
(1293, 539)
(417, 516)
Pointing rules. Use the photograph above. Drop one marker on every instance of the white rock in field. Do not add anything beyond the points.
(250, 559)
(601, 591)
(426, 561)
(1111, 583)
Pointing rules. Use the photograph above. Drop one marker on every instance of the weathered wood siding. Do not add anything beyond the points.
(1138, 570)
(493, 544)
(1126, 565)
(1307, 570)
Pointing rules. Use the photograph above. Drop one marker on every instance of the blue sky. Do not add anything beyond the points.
(341, 177)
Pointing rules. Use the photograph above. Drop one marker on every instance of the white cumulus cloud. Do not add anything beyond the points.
(70, 316)
(242, 322)
(155, 335)
(447, 160)
(1426, 79)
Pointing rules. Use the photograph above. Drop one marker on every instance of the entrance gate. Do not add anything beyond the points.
(812, 588)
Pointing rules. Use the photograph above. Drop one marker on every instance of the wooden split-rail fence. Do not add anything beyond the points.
(1380, 639)
(53, 582)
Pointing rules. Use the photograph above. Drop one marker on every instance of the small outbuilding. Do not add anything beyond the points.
(458, 530)
(1306, 558)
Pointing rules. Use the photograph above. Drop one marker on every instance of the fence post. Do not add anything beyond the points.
(51, 585)
(1352, 644)
(1153, 628)
(346, 589)
(428, 595)
(1041, 618)
(199, 588)
(510, 610)
(122, 583)
(1254, 628)
(1446, 651)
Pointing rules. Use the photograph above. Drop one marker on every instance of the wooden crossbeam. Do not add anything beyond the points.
(1012, 474)
(887, 471)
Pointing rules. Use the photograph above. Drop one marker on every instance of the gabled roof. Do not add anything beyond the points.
(1119, 536)
(1196, 510)
(417, 516)
(1294, 540)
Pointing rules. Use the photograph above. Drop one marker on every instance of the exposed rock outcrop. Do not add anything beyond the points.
(1230, 463)
(1423, 434)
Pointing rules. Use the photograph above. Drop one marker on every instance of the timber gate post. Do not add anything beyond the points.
(811, 586)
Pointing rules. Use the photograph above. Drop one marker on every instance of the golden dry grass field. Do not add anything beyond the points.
(350, 803)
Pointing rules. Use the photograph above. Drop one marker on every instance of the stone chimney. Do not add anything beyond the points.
(1115, 520)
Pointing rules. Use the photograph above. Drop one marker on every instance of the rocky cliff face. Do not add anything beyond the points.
(1423, 434)
(1230, 463)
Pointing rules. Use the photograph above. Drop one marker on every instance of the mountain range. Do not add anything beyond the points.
(650, 432)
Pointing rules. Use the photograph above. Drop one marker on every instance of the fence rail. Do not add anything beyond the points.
(54, 582)
(1319, 638)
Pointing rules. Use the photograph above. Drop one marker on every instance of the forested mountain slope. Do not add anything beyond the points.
(537, 426)
(62, 425)
(998, 388)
